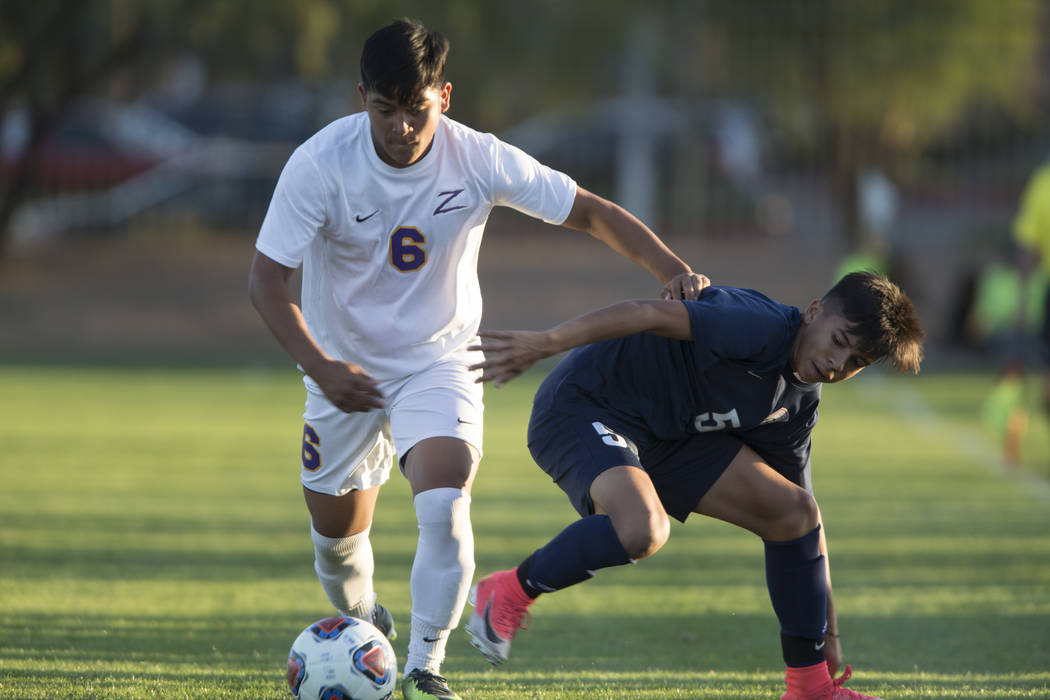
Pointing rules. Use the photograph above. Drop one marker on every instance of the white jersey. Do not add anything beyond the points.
(390, 255)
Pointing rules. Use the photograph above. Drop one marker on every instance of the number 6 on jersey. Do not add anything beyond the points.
(407, 253)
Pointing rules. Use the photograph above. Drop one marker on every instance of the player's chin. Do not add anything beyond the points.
(403, 154)
(810, 375)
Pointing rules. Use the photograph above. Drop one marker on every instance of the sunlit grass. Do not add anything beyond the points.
(153, 543)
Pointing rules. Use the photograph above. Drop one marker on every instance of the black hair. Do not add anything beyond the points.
(881, 315)
(403, 59)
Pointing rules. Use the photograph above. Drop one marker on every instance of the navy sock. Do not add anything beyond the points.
(572, 556)
(797, 582)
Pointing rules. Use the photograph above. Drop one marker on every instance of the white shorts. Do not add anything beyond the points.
(347, 451)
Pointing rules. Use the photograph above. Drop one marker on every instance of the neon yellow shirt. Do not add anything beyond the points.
(998, 299)
(1032, 223)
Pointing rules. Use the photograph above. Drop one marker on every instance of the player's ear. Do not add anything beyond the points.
(361, 92)
(446, 94)
(813, 310)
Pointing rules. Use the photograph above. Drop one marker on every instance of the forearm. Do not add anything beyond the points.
(269, 294)
(288, 326)
(624, 233)
(509, 353)
(618, 320)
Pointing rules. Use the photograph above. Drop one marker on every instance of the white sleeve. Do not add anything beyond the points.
(523, 183)
(296, 212)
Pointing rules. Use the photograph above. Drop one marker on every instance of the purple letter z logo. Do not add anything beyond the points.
(443, 208)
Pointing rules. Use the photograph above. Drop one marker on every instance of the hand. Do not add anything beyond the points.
(833, 654)
(508, 354)
(347, 386)
(686, 285)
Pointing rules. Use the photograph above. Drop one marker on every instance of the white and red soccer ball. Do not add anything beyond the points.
(341, 658)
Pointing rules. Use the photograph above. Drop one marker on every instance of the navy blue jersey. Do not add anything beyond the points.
(733, 376)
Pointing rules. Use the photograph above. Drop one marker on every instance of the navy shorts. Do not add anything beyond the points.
(576, 442)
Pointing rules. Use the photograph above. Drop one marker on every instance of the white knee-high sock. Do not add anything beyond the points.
(344, 566)
(441, 574)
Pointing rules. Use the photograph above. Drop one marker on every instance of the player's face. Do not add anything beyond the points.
(824, 350)
(402, 133)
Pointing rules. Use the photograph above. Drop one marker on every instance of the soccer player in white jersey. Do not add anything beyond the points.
(385, 210)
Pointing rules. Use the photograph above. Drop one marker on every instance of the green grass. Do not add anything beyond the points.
(153, 543)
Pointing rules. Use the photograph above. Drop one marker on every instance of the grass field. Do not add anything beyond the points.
(153, 543)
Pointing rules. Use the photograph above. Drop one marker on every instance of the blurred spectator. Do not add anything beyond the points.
(1005, 411)
(1008, 315)
(1032, 233)
(877, 203)
(1005, 317)
(1007, 310)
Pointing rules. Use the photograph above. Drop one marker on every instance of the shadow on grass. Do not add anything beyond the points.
(129, 549)
(948, 656)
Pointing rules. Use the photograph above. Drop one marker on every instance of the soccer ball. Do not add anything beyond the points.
(341, 658)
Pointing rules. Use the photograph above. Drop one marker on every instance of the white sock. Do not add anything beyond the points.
(344, 566)
(441, 574)
(426, 647)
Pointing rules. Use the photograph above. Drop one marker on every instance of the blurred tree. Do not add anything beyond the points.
(867, 84)
(53, 52)
(857, 84)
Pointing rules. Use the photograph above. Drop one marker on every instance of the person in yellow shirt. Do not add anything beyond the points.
(1032, 224)
(1031, 232)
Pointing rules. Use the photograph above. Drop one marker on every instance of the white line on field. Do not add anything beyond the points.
(908, 403)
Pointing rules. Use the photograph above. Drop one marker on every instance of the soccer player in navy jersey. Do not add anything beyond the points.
(678, 407)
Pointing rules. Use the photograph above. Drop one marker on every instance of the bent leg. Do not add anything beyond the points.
(342, 551)
(574, 555)
(627, 495)
(752, 495)
(341, 516)
(441, 471)
(629, 523)
(346, 457)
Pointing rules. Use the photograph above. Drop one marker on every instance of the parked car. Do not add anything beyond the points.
(95, 145)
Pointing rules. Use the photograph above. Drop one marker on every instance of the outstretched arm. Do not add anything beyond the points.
(509, 353)
(621, 231)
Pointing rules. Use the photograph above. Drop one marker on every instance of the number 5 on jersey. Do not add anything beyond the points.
(407, 253)
(613, 439)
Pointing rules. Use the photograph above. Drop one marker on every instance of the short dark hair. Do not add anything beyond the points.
(403, 59)
(882, 316)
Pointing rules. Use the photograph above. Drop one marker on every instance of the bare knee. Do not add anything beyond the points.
(799, 516)
(341, 516)
(441, 462)
(642, 535)
(628, 497)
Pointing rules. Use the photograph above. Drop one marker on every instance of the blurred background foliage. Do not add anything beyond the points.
(889, 132)
(846, 86)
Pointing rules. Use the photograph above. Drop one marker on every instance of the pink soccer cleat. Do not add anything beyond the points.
(500, 610)
(830, 689)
